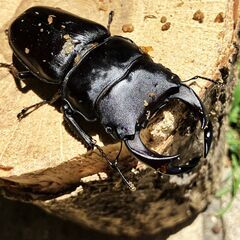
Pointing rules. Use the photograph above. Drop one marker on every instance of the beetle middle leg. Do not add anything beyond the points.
(27, 110)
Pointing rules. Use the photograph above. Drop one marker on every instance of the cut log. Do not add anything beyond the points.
(42, 163)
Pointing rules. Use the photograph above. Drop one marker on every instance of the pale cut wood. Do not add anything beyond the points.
(38, 157)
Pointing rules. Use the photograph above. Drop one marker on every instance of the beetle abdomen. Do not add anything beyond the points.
(47, 40)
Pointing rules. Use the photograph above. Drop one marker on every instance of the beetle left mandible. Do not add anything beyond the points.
(101, 78)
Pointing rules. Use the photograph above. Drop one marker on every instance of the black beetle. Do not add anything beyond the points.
(101, 78)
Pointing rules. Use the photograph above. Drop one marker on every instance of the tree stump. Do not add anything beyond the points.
(42, 163)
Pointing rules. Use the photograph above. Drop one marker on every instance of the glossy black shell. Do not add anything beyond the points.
(114, 78)
(96, 70)
(47, 40)
(103, 78)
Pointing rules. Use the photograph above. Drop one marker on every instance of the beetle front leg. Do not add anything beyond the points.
(89, 142)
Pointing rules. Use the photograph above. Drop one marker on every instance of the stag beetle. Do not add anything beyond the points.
(101, 78)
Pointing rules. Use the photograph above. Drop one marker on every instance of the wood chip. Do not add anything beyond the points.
(5, 168)
(127, 28)
(198, 16)
(166, 26)
(146, 49)
(163, 19)
(219, 18)
(50, 19)
(149, 16)
(27, 50)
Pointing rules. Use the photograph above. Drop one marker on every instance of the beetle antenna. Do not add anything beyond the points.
(114, 165)
(119, 152)
(204, 78)
(110, 19)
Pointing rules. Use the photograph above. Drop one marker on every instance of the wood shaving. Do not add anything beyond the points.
(198, 16)
(27, 50)
(166, 26)
(219, 18)
(50, 19)
(127, 28)
(146, 49)
(149, 16)
(163, 19)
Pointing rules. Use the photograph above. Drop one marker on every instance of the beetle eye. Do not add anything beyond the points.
(109, 130)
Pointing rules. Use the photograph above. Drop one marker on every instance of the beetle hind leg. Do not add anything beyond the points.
(18, 75)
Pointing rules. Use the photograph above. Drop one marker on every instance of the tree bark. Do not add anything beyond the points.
(40, 162)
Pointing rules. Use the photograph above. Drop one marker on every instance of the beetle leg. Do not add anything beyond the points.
(77, 130)
(110, 19)
(18, 76)
(27, 110)
(188, 96)
(151, 158)
(90, 143)
(204, 78)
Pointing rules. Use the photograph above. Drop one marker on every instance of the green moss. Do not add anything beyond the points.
(232, 185)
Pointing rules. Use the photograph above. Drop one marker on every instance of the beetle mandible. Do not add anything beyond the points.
(94, 72)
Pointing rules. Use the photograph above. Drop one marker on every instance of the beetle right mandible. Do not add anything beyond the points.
(101, 78)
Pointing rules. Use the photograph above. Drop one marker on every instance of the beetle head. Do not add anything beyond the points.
(162, 163)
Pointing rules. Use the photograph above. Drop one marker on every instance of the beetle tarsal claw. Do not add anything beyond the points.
(132, 187)
(114, 165)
